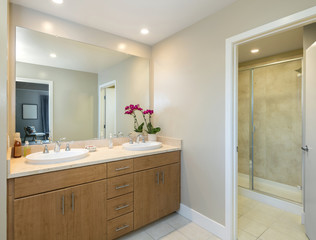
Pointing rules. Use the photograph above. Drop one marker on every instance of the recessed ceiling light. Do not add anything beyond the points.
(144, 31)
(53, 55)
(122, 46)
(58, 1)
(256, 50)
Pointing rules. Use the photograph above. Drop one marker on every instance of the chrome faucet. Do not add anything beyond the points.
(140, 136)
(58, 144)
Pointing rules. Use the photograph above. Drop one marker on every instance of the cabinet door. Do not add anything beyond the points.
(42, 216)
(146, 200)
(88, 211)
(169, 189)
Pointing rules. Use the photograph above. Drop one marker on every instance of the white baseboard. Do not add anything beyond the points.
(275, 202)
(203, 221)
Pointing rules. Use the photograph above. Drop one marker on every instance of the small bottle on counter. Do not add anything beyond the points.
(111, 141)
(17, 150)
(27, 149)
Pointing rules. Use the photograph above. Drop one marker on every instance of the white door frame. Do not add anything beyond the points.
(231, 106)
(50, 99)
(102, 86)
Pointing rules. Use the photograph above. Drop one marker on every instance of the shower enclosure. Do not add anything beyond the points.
(270, 128)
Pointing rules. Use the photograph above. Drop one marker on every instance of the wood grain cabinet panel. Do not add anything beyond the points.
(156, 194)
(120, 226)
(120, 185)
(120, 167)
(30, 185)
(146, 197)
(77, 213)
(88, 211)
(41, 217)
(152, 161)
(120, 205)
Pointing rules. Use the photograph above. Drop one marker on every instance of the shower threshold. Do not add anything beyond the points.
(271, 188)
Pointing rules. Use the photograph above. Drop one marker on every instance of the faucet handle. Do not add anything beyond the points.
(45, 149)
(130, 138)
(120, 134)
(67, 147)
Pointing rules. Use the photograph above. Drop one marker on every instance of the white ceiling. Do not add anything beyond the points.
(272, 45)
(126, 17)
(35, 47)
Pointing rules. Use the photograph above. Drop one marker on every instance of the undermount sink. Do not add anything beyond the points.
(56, 157)
(142, 146)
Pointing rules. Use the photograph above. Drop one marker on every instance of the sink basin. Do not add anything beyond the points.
(142, 146)
(56, 157)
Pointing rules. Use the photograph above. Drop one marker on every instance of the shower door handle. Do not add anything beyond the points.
(306, 149)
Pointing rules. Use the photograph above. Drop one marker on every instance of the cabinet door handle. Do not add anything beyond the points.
(121, 207)
(121, 228)
(163, 177)
(157, 174)
(120, 187)
(122, 168)
(73, 201)
(63, 205)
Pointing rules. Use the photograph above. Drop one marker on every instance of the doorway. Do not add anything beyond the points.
(34, 112)
(107, 109)
(294, 21)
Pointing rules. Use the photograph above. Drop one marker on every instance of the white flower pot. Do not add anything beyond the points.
(152, 137)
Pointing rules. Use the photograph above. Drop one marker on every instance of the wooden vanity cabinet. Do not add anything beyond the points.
(73, 213)
(97, 202)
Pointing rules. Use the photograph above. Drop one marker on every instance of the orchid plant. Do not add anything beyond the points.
(130, 110)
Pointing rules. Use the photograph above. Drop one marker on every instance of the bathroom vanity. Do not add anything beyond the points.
(93, 198)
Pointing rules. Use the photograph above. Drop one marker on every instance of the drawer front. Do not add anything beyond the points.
(157, 160)
(120, 167)
(30, 185)
(120, 205)
(118, 186)
(120, 226)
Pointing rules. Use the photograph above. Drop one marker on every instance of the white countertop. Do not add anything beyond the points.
(20, 168)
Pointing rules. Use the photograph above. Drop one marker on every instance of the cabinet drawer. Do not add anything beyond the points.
(120, 185)
(30, 185)
(157, 160)
(120, 205)
(120, 226)
(120, 167)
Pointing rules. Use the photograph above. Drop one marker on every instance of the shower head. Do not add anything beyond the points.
(299, 70)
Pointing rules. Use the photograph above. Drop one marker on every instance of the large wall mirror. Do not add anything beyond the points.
(80, 90)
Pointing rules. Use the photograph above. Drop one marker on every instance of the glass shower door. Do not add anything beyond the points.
(277, 130)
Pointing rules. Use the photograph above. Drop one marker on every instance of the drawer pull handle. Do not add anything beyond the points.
(121, 228)
(120, 187)
(122, 168)
(157, 174)
(73, 202)
(163, 177)
(121, 207)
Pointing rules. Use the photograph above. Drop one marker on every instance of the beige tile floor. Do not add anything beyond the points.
(263, 222)
(256, 221)
(172, 227)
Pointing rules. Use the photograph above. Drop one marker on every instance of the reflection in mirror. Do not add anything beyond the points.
(80, 90)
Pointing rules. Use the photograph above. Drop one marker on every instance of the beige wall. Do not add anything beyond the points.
(27, 18)
(75, 99)
(189, 95)
(3, 116)
(277, 120)
(132, 87)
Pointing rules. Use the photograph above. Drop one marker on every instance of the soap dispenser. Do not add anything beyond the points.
(111, 141)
